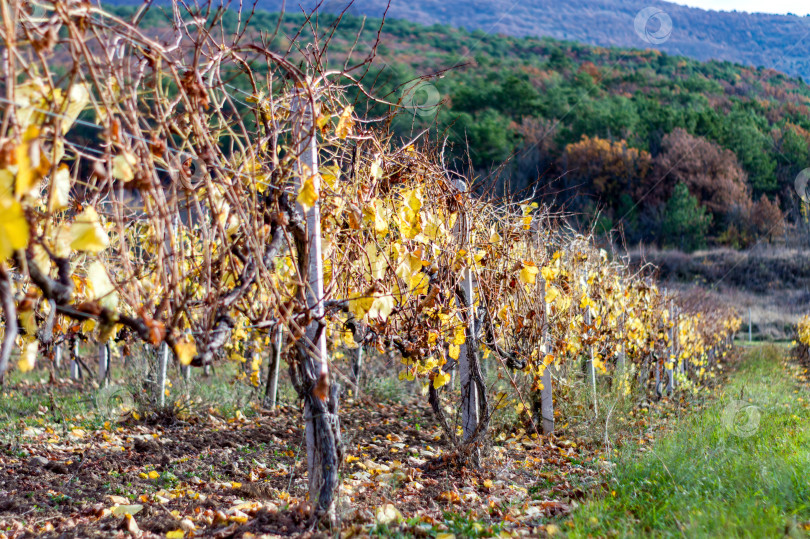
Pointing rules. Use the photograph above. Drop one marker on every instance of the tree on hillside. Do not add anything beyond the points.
(744, 133)
(767, 219)
(604, 168)
(710, 173)
(685, 221)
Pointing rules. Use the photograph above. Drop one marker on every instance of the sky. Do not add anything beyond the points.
(797, 7)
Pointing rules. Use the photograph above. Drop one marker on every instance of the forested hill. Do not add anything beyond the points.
(775, 41)
(599, 128)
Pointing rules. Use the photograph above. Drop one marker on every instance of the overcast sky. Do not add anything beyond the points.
(797, 7)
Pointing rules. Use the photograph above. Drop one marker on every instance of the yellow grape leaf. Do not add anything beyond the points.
(373, 213)
(87, 234)
(377, 261)
(387, 514)
(419, 283)
(460, 335)
(101, 286)
(185, 350)
(382, 307)
(122, 167)
(345, 124)
(440, 379)
(330, 174)
(348, 339)
(78, 98)
(308, 194)
(60, 191)
(528, 208)
(360, 305)
(434, 226)
(121, 510)
(376, 170)
(28, 358)
(453, 351)
(6, 184)
(529, 272)
(585, 301)
(13, 228)
(28, 320)
(153, 475)
(175, 534)
(551, 294)
(410, 222)
(26, 168)
(413, 198)
(549, 273)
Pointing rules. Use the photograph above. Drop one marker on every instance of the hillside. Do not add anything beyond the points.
(769, 284)
(591, 129)
(773, 41)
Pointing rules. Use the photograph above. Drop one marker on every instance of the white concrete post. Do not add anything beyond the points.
(272, 375)
(163, 360)
(546, 394)
(469, 390)
(75, 372)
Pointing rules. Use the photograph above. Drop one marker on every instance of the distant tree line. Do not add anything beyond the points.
(606, 134)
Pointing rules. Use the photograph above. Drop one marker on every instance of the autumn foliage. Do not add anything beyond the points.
(184, 221)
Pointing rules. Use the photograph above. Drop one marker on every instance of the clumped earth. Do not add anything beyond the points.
(209, 475)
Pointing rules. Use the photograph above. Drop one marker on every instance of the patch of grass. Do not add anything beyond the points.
(738, 468)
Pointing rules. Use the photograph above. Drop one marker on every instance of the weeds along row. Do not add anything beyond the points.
(216, 199)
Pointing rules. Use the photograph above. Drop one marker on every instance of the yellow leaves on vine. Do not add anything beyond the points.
(330, 175)
(185, 349)
(345, 124)
(60, 189)
(373, 213)
(382, 307)
(440, 379)
(527, 209)
(31, 163)
(528, 273)
(552, 293)
(87, 233)
(123, 167)
(101, 286)
(308, 194)
(13, 228)
(28, 357)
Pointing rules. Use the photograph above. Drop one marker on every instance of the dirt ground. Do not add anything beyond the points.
(210, 476)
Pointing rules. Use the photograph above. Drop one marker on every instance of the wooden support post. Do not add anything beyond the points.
(103, 364)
